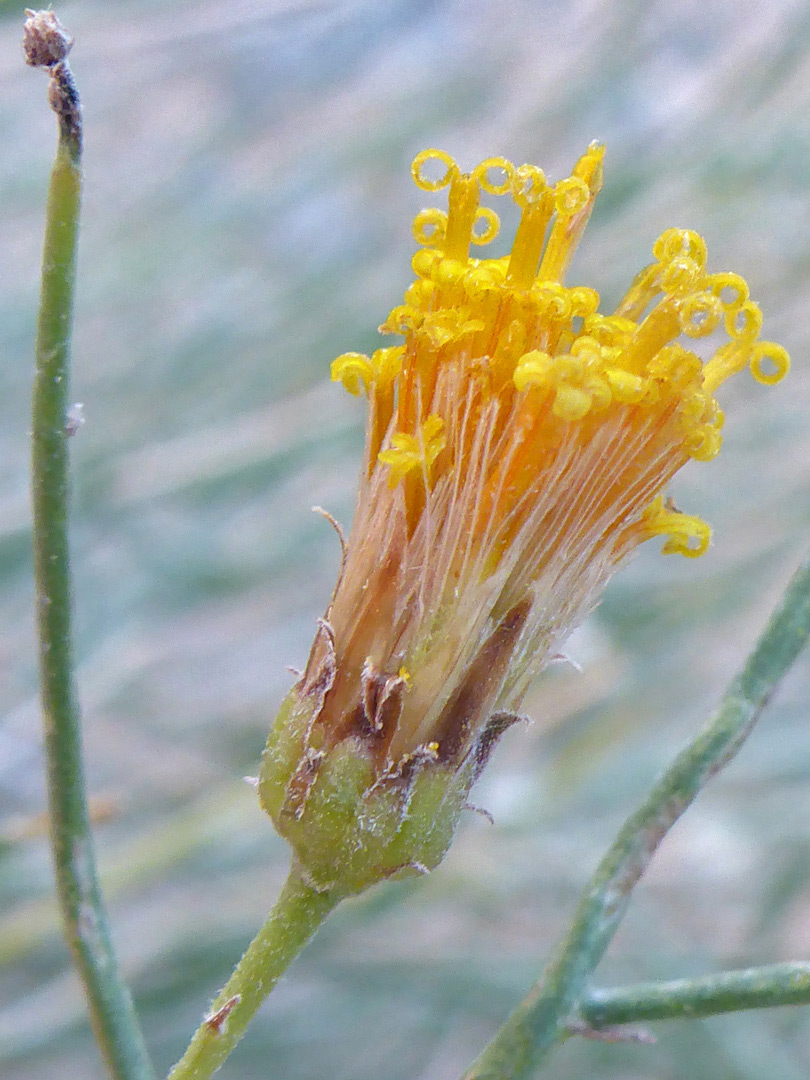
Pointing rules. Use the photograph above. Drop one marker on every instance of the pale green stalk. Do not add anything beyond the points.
(731, 991)
(84, 922)
(298, 913)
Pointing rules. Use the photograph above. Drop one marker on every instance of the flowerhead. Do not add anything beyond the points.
(519, 444)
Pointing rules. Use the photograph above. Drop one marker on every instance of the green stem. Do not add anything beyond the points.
(540, 1021)
(732, 991)
(85, 926)
(298, 913)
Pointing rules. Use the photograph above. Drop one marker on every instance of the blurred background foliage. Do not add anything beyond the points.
(247, 218)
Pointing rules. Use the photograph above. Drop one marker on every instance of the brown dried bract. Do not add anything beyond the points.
(216, 1021)
(45, 40)
(46, 44)
(497, 724)
(479, 682)
(301, 783)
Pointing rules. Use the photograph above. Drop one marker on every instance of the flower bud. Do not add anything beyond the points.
(518, 448)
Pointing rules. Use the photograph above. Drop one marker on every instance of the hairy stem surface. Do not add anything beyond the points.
(298, 913)
(709, 995)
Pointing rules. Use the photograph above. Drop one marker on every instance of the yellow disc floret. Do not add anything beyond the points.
(414, 452)
(687, 535)
(354, 370)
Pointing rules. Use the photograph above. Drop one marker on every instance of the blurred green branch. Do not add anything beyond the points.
(543, 1019)
(84, 922)
(754, 988)
(136, 864)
